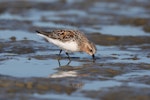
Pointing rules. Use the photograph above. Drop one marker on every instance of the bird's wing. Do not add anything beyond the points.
(63, 35)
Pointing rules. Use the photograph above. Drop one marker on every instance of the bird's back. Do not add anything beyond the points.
(65, 35)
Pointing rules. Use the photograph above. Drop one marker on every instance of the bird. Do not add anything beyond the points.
(70, 41)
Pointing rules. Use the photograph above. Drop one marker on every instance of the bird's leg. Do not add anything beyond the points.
(60, 52)
(68, 55)
(59, 57)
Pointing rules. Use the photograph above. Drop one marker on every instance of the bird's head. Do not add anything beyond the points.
(90, 49)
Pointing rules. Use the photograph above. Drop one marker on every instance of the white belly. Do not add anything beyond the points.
(69, 46)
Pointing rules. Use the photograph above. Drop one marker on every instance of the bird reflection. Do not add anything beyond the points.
(67, 64)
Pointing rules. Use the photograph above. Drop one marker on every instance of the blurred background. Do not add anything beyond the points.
(30, 68)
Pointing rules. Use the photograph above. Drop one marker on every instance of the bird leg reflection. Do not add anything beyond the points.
(65, 65)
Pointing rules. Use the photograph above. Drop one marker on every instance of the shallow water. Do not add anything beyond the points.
(30, 67)
(123, 30)
(22, 67)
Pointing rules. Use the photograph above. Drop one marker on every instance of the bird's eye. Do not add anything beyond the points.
(62, 33)
(91, 50)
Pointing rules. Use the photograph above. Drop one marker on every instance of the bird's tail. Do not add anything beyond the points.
(42, 33)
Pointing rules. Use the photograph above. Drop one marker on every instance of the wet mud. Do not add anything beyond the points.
(31, 69)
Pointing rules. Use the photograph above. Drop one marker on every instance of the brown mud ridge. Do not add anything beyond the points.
(31, 85)
(18, 47)
(120, 93)
(17, 88)
(118, 40)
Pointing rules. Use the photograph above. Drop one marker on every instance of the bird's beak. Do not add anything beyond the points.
(93, 56)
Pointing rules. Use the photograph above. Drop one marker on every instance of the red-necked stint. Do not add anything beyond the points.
(70, 41)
